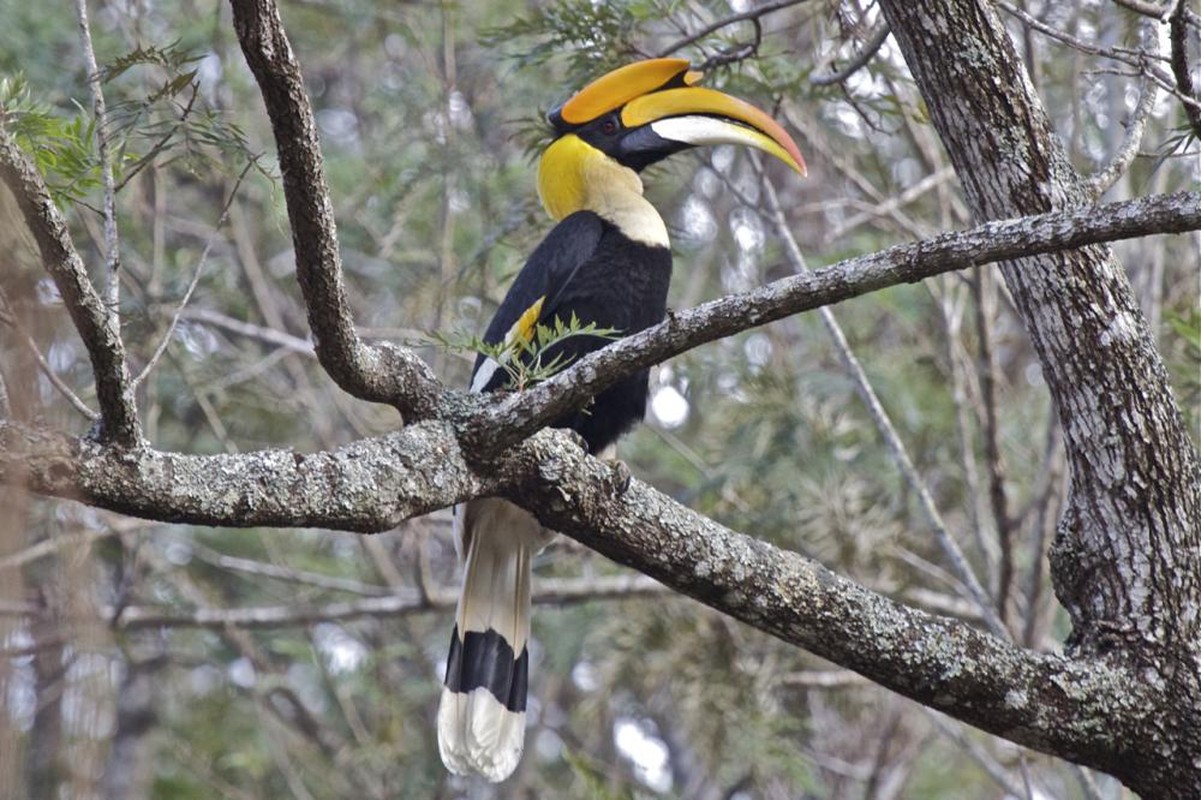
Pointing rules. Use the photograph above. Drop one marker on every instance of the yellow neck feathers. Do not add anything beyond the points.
(575, 176)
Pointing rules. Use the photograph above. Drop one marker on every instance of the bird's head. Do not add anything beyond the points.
(639, 114)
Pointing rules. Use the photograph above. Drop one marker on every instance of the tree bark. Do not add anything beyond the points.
(1124, 699)
(1126, 557)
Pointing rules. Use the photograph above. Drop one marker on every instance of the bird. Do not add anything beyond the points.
(606, 262)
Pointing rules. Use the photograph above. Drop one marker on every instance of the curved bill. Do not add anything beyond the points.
(614, 89)
(696, 116)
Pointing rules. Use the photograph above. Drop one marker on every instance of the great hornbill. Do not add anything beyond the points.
(607, 262)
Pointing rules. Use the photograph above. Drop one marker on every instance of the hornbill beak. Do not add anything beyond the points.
(644, 112)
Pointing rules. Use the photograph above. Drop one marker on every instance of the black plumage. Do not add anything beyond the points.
(588, 268)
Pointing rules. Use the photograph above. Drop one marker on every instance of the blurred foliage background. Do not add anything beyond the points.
(153, 660)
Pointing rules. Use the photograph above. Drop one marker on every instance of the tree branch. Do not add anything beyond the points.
(1137, 125)
(515, 416)
(752, 15)
(1178, 25)
(112, 242)
(367, 486)
(383, 372)
(1088, 708)
(98, 328)
(373, 484)
(867, 51)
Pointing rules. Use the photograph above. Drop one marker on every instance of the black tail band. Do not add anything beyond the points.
(486, 659)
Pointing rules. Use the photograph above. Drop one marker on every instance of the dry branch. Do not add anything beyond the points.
(97, 325)
(383, 373)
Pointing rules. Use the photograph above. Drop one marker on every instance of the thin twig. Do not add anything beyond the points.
(548, 591)
(287, 574)
(48, 547)
(1043, 520)
(990, 378)
(836, 159)
(164, 141)
(893, 202)
(950, 303)
(44, 365)
(1137, 126)
(884, 424)
(271, 336)
(112, 244)
(57, 382)
(753, 14)
(954, 732)
(187, 296)
(867, 51)
(1146, 8)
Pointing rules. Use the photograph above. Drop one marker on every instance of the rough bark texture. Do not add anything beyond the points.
(97, 327)
(1126, 556)
(1125, 699)
(373, 484)
(1048, 702)
(368, 486)
(383, 373)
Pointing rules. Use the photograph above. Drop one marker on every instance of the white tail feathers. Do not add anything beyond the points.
(481, 718)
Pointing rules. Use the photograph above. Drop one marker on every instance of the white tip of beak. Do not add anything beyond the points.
(702, 130)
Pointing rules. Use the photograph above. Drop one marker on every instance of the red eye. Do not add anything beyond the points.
(609, 126)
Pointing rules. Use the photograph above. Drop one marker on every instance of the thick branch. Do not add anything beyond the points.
(1086, 708)
(1127, 557)
(517, 416)
(382, 373)
(98, 328)
(1044, 701)
(370, 485)
(373, 484)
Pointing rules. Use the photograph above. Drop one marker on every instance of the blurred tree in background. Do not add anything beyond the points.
(147, 659)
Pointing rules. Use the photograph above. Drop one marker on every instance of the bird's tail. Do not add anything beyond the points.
(481, 718)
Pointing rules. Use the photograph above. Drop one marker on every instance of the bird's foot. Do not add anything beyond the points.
(619, 475)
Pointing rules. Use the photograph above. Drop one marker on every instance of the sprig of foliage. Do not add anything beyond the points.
(171, 58)
(527, 362)
(62, 147)
(591, 38)
(1181, 143)
(169, 122)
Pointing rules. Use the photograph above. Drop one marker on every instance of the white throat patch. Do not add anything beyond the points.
(615, 193)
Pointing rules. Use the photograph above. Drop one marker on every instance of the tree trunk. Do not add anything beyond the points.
(1125, 558)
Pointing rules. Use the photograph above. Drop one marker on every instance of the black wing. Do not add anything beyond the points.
(548, 272)
(589, 269)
